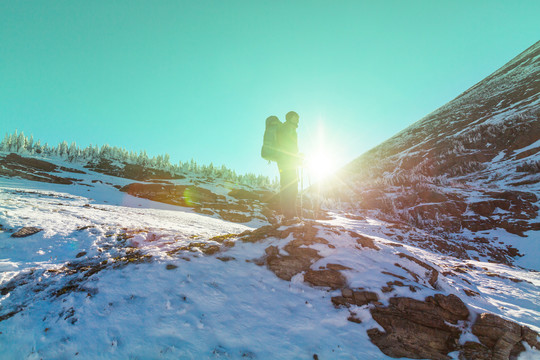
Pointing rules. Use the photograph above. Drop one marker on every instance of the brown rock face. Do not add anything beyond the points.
(421, 329)
(354, 297)
(26, 231)
(14, 165)
(327, 278)
(503, 338)
(200, 199)
(418, 329)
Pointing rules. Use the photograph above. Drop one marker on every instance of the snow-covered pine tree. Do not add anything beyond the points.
(4, 145)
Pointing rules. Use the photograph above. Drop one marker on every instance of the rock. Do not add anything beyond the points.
(454, 307)
(364, 297)
(354, 297)
(26, 231)
(432, 272)
(328, 278)
(81, 254)
(503, 337)
(285, 267)
(473, 350)
(30, 162)
(244, 194)
(347, 293)
(225, 258)
(364, 241)
(337, 267)
(340, 301)
(353, 318)
(418, 329)
(170, 267)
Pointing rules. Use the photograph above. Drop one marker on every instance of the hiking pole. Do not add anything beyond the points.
(302, 192)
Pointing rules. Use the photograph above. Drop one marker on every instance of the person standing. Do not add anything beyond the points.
(288, 161)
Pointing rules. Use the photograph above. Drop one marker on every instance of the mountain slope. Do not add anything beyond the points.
(94, 272)
(470, 167)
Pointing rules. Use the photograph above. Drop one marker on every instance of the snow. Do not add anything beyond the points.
(532, 146)
(193, 305)
(203, 308)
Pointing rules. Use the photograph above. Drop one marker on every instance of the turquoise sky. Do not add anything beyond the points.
(198, 78)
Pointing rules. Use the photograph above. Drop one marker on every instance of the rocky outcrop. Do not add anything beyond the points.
(14, 165)
(419, 329)
(356, 297)
(326, 278)
(502, 339)
(201, 200)
(297, 256)
(26, 231)
(430, 329)
(130, 171)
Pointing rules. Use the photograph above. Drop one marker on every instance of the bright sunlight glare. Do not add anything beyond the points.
(320, 165)
(320, 158)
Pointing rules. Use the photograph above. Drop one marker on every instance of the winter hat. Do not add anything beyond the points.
(293, 117)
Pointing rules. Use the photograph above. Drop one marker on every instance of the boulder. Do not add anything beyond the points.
(419, 329)
(26, 231)
(503, 338)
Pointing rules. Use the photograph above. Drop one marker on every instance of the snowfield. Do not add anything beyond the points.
(201, 308)
(113, 276)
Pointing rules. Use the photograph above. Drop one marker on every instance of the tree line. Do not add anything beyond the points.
(21, 144)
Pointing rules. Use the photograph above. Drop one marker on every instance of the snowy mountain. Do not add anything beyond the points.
(465, 170)
(431, 252)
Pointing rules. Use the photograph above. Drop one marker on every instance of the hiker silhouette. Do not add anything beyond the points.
(288, 161)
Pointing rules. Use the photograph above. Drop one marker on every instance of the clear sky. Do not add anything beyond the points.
(196, 79)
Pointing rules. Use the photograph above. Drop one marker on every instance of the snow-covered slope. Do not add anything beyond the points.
(110, 275)
(467, 169)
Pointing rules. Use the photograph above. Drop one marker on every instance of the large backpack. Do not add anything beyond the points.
(270, 148)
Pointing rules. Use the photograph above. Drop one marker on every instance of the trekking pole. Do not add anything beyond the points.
(302, 192)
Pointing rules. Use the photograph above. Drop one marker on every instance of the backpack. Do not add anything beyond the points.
(270, 148)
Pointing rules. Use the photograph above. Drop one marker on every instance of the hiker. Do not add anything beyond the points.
(288, 161)
(280, 144)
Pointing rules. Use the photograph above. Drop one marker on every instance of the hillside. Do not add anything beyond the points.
(464, 171)
(88, 270)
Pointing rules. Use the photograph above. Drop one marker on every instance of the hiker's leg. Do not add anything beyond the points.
(290, 192)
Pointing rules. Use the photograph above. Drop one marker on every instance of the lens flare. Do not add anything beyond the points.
(320, 165)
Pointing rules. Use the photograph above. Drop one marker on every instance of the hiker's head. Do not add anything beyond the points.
(292, 117)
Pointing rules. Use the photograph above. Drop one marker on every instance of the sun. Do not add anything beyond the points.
(319, 166)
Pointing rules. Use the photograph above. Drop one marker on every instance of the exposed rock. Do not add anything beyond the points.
(419, 329)
(285, 267)
(297, 254)
(200, 199)
(244, 194)
(26, 231)
(354, 297)
(337, 267)
(474, 351)
(30, 162)
(130, 171)
(326, 278)
(503, 338)
(433, 273)
(364, 241)
(225, 258)
(353, 318)
(14, 165)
